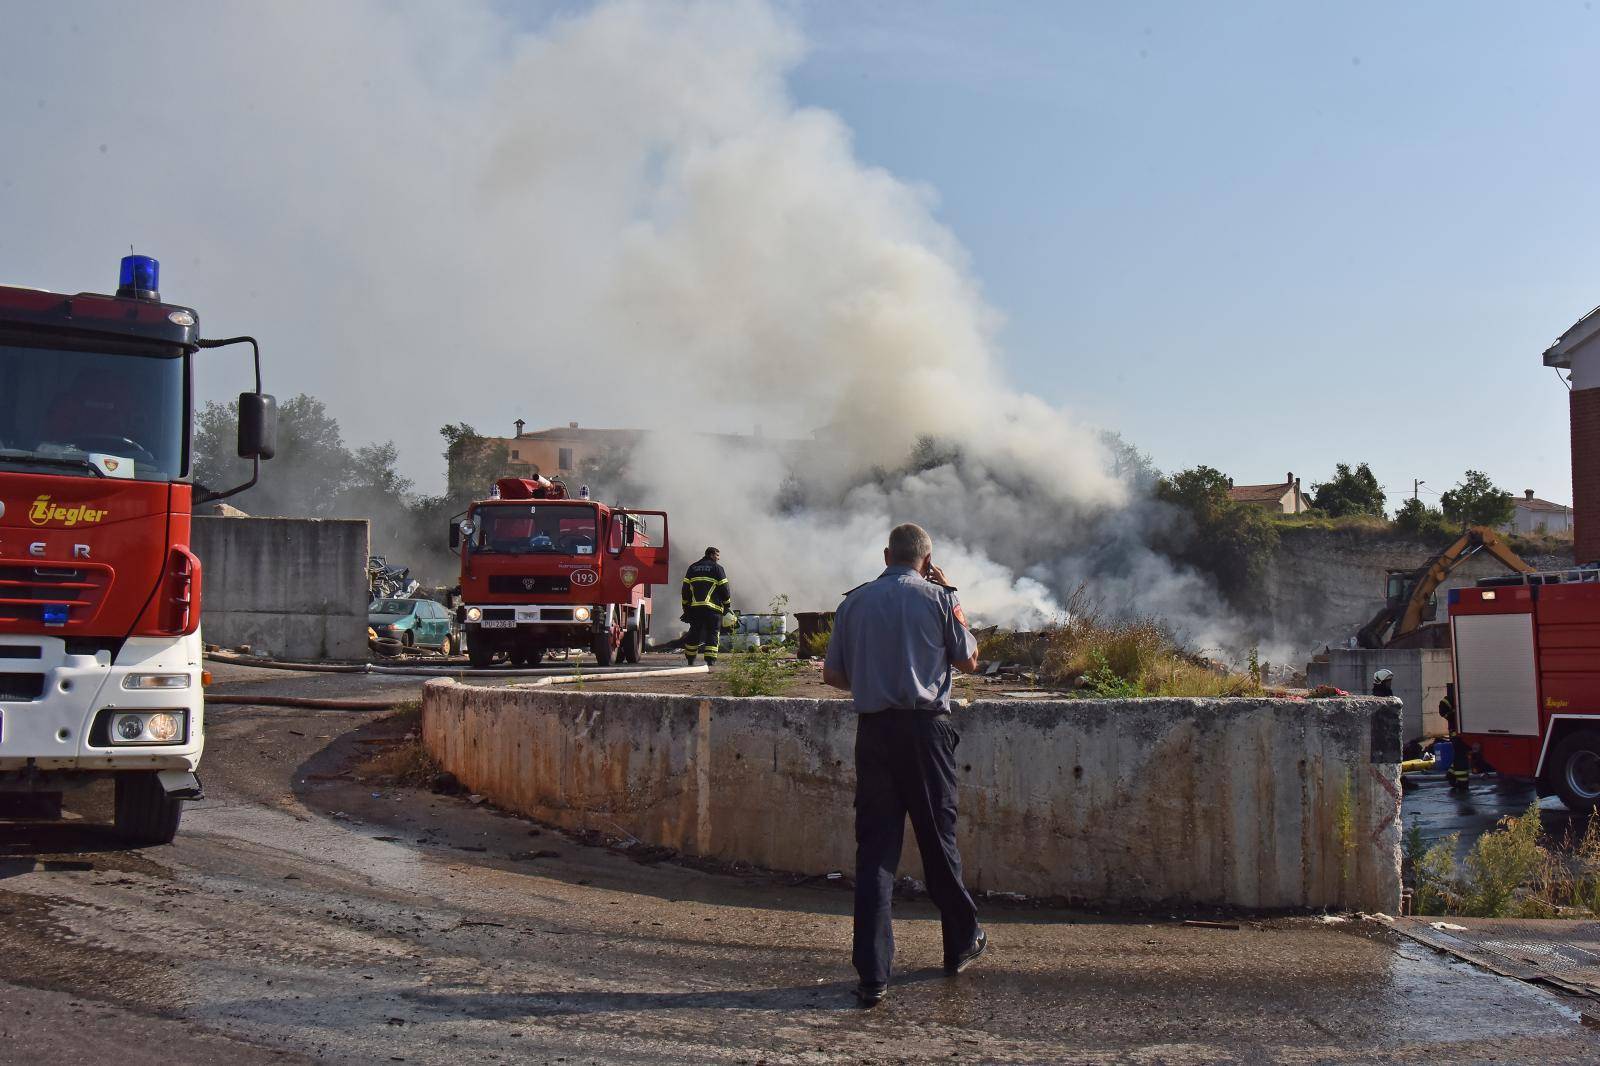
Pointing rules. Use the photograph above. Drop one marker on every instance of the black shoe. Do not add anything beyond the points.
(870, 995)
(968, 957)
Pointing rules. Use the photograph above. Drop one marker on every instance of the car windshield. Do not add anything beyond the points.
(392, 607)
(536, 529)
(93, 413)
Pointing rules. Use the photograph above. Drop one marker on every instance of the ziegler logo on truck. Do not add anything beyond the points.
(43, 512)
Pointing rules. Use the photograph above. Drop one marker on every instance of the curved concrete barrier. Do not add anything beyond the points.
(1253, 803)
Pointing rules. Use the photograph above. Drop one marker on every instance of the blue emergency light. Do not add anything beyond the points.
(140, 278)
(55, 614)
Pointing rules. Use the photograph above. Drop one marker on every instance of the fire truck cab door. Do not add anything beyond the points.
(632, 560)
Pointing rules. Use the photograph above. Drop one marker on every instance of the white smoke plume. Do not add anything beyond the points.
(432, 213)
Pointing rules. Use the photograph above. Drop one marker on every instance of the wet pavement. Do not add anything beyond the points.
(308, 916)
(1438, 810)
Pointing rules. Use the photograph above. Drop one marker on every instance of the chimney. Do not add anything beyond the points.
(519, 423)
(1527, 494)
(1578, 351)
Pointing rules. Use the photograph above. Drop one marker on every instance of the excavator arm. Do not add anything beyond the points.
(1406, 615)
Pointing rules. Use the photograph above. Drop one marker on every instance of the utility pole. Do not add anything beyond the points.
(1416, 483)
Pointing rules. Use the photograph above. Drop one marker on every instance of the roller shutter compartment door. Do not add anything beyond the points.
(1498, 690)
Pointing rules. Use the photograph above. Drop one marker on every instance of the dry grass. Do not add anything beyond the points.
(1112, 658)
(406, 762)
(403, 760)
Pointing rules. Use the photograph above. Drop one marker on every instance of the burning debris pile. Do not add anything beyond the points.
(1108, 657)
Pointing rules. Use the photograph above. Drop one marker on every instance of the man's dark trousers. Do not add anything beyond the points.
(905, 765)
(705, 632)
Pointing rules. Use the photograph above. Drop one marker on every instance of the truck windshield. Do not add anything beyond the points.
(536, 529)
(93, 413)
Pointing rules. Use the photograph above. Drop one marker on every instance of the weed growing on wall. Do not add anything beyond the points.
(1344, 821)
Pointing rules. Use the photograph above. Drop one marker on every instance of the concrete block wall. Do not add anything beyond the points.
(294, 588)
(1420, 677)
(1259, 804)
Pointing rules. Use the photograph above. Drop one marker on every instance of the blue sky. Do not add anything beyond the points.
(1260, 236)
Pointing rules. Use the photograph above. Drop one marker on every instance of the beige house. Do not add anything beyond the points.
(562, 451)
(1534, 515)
(1283, 497)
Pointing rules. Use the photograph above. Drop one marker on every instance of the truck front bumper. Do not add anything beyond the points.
(56, 730)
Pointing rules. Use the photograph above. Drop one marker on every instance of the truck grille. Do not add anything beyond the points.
(511, 584)
(51, 595)
(21, 686)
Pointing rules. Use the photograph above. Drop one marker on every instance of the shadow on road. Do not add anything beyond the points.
(30, 847)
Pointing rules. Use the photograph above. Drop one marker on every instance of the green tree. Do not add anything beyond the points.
(1231, 542)
(1199, 490)
(1477, 501)
(313, 472)
(1349, 492)
(1418, 519)
(1128, 463)
(473, 462)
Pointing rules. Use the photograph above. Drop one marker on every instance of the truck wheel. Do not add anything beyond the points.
(1574, 770)
(145, 814)
(632, 643)
(604, 653)
(480, 655)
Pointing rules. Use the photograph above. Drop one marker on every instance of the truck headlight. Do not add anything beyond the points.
(148, 727)
(160, 681)
(581, 614)
(474, 614)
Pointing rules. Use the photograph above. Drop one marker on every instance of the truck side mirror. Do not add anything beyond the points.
(455, 535)
(258, 425)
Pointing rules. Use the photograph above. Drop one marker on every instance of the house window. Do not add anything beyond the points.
(514, 454)
(564, 460)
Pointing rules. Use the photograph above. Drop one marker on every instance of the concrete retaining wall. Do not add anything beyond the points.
(1260, 804)
(295, 588)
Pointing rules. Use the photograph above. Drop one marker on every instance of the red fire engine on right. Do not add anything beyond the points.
(1527, 648)
(1527, 670)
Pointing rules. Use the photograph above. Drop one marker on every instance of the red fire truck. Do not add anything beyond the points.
(541, 571)
(100, 654)
(1527, 673)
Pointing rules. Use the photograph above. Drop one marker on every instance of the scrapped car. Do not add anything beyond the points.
(414, 623)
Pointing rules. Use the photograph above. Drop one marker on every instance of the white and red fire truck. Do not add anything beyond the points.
(100, 653)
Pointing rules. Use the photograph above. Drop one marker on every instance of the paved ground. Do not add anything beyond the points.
(304, 916)
(1438, 810)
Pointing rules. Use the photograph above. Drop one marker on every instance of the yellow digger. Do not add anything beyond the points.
(1410, 594)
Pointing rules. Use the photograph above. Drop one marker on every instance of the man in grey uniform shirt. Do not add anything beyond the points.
(895, 644)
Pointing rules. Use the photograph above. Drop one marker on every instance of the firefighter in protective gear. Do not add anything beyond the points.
(706, 599)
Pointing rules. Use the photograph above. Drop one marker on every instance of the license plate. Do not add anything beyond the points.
(498, 623)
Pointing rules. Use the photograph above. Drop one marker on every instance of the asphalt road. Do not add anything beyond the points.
(304, 916)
